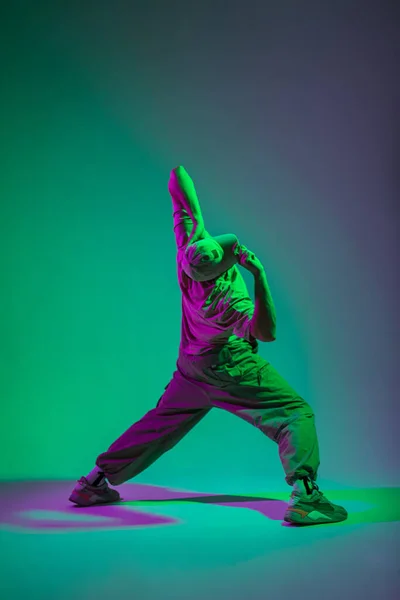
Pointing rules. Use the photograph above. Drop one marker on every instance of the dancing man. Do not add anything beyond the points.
(219, 366)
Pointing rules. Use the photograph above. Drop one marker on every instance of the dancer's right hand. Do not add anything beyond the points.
(249, 261)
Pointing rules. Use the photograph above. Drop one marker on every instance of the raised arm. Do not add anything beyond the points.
(187, 205)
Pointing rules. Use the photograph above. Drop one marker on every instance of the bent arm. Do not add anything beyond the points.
(263, 323)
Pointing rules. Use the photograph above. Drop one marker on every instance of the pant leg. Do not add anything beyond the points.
(254, 391)
(179, 409)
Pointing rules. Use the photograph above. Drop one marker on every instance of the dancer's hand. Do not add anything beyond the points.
(249, 261)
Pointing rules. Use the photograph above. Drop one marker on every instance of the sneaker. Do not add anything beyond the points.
(85, 494)
(308, 506)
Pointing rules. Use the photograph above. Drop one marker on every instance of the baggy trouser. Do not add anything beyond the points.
(235, 380)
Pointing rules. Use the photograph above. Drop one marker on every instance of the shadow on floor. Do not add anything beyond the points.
(43, 506)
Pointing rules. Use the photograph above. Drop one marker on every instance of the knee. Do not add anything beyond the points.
(308, 411)
(303, 409)
(300, 412)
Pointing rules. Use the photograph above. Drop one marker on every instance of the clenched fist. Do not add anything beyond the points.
(249, 261)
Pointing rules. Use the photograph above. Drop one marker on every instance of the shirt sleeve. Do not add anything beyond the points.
(183, 226)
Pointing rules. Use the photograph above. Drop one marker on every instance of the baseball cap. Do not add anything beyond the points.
(210, 257)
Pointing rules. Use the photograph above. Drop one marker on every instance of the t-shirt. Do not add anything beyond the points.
(216, 312)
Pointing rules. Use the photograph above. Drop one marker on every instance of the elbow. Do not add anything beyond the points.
(270, 337)
(179, 170)
(173, 176)
(271, 333)
(179, 180)
(267, 335)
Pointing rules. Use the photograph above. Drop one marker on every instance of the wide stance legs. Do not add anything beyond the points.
(245, 385)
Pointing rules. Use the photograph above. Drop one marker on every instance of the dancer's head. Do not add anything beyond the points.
(210, 257)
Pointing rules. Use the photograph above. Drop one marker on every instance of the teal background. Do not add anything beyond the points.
(283, 115)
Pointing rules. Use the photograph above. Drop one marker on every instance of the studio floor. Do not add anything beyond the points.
(180, 544)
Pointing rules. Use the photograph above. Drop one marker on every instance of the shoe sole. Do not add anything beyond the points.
(79, 501)
(296, 519)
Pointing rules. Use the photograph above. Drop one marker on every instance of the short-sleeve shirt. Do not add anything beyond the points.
(216, 312)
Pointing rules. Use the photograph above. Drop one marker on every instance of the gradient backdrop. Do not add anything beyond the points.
(283, 113)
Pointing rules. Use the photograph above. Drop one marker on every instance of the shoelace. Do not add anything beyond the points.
(314, 488)
(319, 494)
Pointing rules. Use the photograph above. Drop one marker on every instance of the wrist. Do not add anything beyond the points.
(259, 274)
